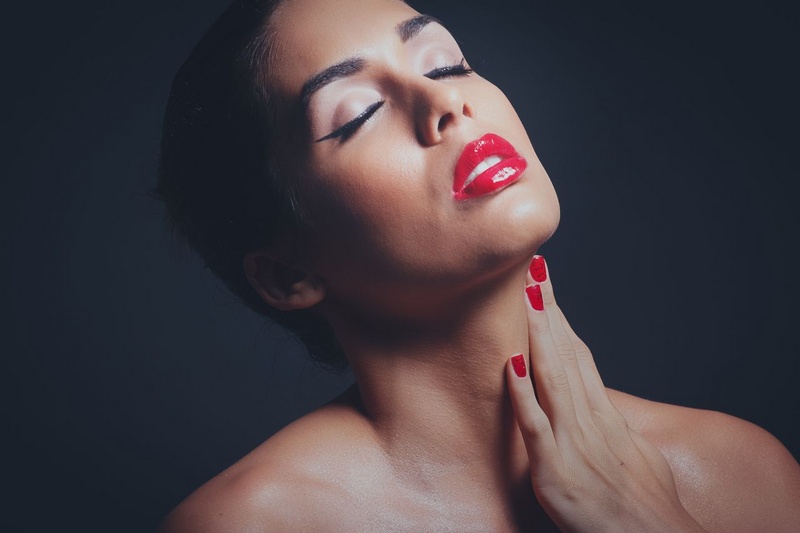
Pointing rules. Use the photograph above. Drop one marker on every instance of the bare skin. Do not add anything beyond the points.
(331, 470)
(327, 472)
(429, 439)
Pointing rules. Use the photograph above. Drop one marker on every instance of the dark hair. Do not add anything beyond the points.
(221, 187)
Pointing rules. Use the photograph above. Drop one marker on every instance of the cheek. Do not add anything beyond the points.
(495, 108)
(373, 193)
(384, 219)
(380, 210)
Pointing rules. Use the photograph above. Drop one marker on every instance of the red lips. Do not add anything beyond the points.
(505, 167)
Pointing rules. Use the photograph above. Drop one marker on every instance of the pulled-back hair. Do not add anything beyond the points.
(218, 177)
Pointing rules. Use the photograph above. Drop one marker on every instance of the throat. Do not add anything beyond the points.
(439, 403)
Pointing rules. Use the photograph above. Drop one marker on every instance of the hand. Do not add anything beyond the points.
(590, 471)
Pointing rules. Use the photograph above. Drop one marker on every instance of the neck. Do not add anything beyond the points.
(436, 393)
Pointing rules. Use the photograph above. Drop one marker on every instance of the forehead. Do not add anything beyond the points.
(310, 35)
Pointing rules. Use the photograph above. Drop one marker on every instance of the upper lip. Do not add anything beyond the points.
(476, 151)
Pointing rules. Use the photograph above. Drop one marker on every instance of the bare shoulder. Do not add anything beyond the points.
(731, 474)
(314, 463)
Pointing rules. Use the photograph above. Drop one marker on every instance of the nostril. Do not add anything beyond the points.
(444, 121)
(467, 110)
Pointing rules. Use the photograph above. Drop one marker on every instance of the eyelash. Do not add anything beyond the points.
(450, 71)
(345, 132)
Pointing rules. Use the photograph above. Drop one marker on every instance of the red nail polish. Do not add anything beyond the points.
(518, 362)
(534, 293)
(538, 269)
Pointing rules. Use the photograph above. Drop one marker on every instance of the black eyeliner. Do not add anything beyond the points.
(452, 70)
(344, 132)
(350, 128)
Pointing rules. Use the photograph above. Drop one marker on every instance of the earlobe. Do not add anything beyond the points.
(282, 285)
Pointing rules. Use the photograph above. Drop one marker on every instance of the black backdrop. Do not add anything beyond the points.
(669, 131)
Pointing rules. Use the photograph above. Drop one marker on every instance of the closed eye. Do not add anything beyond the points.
(345, 132)
(450, 71)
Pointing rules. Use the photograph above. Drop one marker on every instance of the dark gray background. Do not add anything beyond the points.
(670, 133)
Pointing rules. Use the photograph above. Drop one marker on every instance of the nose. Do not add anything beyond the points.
(441, 106)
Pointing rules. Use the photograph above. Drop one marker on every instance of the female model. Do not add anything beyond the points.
(338, 163)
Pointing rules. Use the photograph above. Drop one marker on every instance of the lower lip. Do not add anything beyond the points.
(494, 178)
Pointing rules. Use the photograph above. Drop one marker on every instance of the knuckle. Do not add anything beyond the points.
(541, 425)
(565, 350)
(582, 352)
(557, 381)
(539, 327)
(534, 424)
(570, 487)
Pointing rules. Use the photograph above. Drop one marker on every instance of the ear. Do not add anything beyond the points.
(282, 285)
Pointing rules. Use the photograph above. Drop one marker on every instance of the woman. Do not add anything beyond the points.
(367, 179)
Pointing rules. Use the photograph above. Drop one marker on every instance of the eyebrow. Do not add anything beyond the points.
(407, 30)
(411, 27)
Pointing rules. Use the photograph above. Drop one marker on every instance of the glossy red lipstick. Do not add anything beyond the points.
(486, 165)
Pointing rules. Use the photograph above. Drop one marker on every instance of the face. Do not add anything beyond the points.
(380, 147)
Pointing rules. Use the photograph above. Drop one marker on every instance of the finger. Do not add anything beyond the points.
(547, 369)
(562, 340)
(595, 389)
(537, 271)
(537, 432)
(605, 413)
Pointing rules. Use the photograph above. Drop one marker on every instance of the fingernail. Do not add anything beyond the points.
(538, 269)
(518, 362)
(534, 293)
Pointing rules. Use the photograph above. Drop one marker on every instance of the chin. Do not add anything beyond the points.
(531, 213)
(523, 218)
(533, 228)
